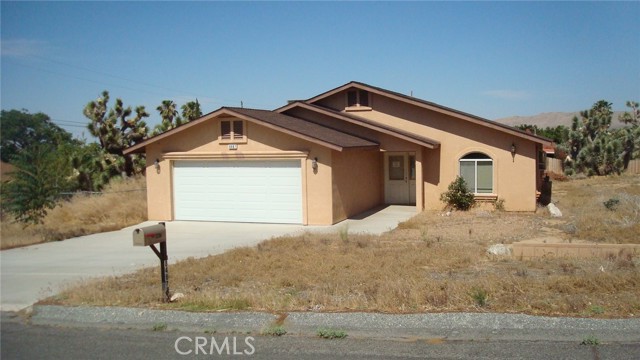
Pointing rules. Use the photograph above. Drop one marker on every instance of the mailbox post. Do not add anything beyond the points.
(149, 236)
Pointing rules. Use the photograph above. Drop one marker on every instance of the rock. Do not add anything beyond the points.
(553, 210)
(499, 249)
(176, 297)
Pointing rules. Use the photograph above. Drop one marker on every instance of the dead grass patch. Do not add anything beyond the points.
(391, 273)
(122, 204)
(431, 263)
(586, 216)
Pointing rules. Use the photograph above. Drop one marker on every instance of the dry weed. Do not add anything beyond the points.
(396, 273)
(122, 204)
(430, 263)
(584, 204)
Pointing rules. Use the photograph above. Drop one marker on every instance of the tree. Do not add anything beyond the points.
(40, 176)
(558, 134)
(116, 131)
(630, 135)
(191, 110)
(20, 130)
(594, 149)
(170, 118)
(631, 118)
(94, 167)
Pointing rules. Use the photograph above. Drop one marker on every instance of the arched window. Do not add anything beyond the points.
(477, 171)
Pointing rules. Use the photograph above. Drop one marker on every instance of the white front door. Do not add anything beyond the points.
(400, 178)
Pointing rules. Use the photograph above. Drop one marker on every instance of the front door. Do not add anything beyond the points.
(400, 178)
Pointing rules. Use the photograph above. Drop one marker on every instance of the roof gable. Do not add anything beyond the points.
(304, 129)
(410, 100)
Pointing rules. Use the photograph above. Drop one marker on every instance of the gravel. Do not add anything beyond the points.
(451, 326)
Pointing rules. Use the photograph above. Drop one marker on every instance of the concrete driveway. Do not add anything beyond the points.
(35, 272)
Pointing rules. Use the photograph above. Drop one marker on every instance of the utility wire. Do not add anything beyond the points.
(210, 99)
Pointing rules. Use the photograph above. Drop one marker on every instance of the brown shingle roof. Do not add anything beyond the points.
(420, 140)
(305, 128)
(313, 132)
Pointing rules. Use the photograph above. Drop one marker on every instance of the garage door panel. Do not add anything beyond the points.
(238, 191)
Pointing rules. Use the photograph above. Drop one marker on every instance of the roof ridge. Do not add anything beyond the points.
(429, 103)
(243, 108)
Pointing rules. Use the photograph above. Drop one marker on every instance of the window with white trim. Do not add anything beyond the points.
(477, 171)
(232, 131)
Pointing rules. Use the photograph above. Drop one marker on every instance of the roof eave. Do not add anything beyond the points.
(140, 147)
(287, 131)
(428, 143)
(431, 106)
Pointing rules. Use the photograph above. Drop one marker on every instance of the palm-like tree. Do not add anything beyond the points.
(191, 110)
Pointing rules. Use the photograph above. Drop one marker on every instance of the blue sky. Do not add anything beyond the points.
(491, 59)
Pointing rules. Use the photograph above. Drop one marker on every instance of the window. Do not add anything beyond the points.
(356, 98)
(477, 171)
(396, 167)
(232, 131)
(412, 167)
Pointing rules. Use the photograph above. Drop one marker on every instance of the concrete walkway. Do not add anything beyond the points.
(35, 272)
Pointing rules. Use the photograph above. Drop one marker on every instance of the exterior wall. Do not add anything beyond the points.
(357, 182)
(514, 177)
(387, 143)
(201, 142)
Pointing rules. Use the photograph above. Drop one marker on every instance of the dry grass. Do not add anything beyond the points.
(587, 218)
(431, 263)
(397, 272)
(122, 204)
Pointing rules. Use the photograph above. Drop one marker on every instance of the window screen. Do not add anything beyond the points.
(225, 129)
(477, 171)
(238, 130)
(352, 98)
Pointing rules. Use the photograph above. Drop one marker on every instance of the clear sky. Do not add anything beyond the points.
(491, 59)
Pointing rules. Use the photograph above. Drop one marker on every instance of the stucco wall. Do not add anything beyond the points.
(357, 182)
(514, 177)
(201, 141)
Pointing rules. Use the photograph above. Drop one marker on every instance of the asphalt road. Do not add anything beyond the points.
(21, 340)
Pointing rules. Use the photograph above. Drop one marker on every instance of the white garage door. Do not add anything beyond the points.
(238, 191)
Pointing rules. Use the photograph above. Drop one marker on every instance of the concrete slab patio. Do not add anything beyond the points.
(35, 272)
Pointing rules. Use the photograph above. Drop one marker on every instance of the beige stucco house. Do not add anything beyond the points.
(322, 160)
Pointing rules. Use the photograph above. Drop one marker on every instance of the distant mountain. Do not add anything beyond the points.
(552, 119)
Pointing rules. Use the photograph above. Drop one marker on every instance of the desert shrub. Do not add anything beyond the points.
(611, 204)
(480, 296)
(331, 334)
(458, 195)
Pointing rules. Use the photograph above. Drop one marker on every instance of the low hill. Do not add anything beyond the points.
(552, 119)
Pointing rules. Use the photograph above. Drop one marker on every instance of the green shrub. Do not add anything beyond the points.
(331, 334)
(458, 195)
(275, 330)
(159, 327)
(480, 296)
(611, 204)
(590, 340)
